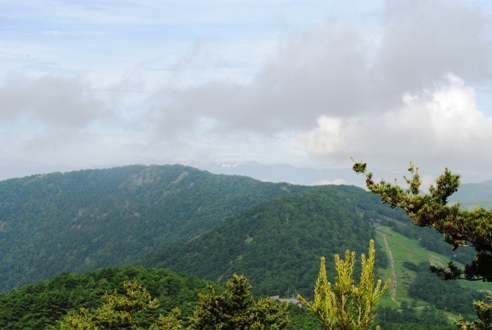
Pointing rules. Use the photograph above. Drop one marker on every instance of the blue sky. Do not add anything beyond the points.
(309, 83)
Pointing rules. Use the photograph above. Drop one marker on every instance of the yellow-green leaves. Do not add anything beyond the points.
(346, 306)
(122, 312)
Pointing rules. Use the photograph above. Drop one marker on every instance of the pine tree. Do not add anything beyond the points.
(237, 309)
(345, 306)
(459, 227)
(121, 312)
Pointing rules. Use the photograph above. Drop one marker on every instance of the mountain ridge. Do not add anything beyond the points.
(83, 220)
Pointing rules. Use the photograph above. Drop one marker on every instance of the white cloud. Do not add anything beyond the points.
(49, 113)
(158, 81)
(327, 182)
(51, 100)
(341, 70)
(326, 138)
(441, 126)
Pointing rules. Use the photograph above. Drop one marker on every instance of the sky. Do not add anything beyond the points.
(88, 83)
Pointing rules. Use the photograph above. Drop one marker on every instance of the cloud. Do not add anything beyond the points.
(317, 71)
(327, 182)
(51, 100)
(440, 126)
(424, 40)
(339, 70)
(49, 112)
(393, 87)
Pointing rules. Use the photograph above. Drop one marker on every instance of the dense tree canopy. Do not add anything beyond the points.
(126, 311)
(277, 244)
(85, 220)
(236, 309)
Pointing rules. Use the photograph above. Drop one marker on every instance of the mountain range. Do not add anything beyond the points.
(206, 225)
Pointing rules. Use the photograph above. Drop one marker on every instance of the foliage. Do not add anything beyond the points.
(409, 317)
(121, 312)
(459, 227)
(85, 220)
(484, 317)
(236, 308)
(40, 305)
(346, 306)
(277, 244)
(448, 295)
(303, 319)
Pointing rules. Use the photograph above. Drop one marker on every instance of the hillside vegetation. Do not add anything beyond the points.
(278, 243)
(472, 194)
(85, 220)
(43, 304)
(209, 226)
(35, 306)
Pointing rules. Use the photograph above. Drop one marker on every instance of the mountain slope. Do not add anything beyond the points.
(84, 220)
(470, 193)
(277, 244)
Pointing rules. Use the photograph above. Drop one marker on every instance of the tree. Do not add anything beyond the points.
(236, 309)
(346, 306)
(459, 227)
(122, 312)
(484, 317)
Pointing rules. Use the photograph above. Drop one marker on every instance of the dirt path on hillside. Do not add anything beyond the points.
(393, 272)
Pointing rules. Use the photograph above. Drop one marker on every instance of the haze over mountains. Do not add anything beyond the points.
(263, 172)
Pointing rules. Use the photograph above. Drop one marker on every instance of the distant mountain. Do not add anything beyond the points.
(299, 175)
(9, 172)
(199, 223)
(470, 193)
(284, 173)
(278, 243)
(84, 220)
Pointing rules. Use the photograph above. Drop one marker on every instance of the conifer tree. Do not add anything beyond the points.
(345, 306)
(459, 227)
(121, 312)
(237, 309)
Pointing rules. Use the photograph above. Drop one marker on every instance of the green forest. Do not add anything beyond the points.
(68, 239)
(86, 220)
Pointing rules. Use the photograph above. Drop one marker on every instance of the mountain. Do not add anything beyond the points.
(8, 172)
(202, 224)
(284, 173)
(84, 220)
(470, 193)
(278, 243)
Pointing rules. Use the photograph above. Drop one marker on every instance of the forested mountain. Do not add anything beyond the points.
(278, 243)
(198, 223)
(89, 219)
(470, 193)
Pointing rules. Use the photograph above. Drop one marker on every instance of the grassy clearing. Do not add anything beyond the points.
(405, 249)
